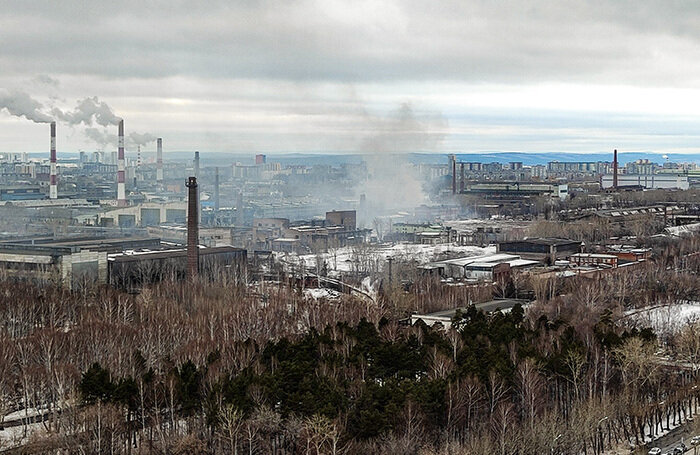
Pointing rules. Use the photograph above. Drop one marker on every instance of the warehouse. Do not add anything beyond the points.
(547, 250)
(131, 270)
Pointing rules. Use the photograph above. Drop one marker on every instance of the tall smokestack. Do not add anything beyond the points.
(453, 170)
(53, 186)
(196, 165)
(216, 190)
(159, 162)
(192, 229)
(461, 180)
(196, 175)
(615, 169)
(121, 188)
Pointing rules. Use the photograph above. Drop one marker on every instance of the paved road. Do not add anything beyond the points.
(674, 439)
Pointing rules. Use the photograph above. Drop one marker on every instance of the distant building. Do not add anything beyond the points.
(547, 250)
(494, 267)
(594, 260)
(129, 271)
(21, 193)
(260, 159)
(345, 218)
(647, 181)
(516, 190)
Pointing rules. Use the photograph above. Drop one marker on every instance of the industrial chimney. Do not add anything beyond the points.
(216, 189)
(159, 162)
(614, 184)
(192, 229)
(453, 170)
(53, 186)
(196, 175)
(121, 188)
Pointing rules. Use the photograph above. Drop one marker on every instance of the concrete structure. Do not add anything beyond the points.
(345, 218)
(547, 250)
(646, 181)
(53, 183)
(208, 236)
(70, 266)
(146, 214)
(192, 228)
(159, 161)
(260, 159)
(121, 168)
(133, 270)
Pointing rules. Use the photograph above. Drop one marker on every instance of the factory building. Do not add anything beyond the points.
(646, 181)
(515, 190)
(146, 214)
(494, 267)
(70, 266)
(21, 193)
(547, 250)
(132, 270)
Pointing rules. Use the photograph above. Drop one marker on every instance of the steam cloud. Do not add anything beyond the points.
(87, 111)
(141, 139)
(21, 104)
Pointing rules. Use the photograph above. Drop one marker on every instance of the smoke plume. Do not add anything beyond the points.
(88, 110)
(393, 182)
(21, 104)
(103, 137)
(141, 139)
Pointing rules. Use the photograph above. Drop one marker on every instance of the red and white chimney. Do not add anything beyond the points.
(159, 162)
(121, 188)
(53, 186)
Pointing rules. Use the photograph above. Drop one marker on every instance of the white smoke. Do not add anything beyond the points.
(393, 182)
(86, 111)
(141, 139)
(103, 137)
(20, 104)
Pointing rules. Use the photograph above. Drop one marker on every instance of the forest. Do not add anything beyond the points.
(203, 368)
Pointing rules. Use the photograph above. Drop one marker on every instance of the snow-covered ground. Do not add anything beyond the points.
(666, 319)
(321, 293)
(344, 259)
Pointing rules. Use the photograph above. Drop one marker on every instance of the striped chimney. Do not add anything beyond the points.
(159, 162)
(121, 189)
(53, 185)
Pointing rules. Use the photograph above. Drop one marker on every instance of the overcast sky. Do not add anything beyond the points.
(359, 76)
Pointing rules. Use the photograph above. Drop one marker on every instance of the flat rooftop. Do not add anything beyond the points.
(487, 307)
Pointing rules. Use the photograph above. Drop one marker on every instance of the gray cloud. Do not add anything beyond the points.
(478, 40)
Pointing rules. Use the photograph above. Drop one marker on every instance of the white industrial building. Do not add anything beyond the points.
(648, 181)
